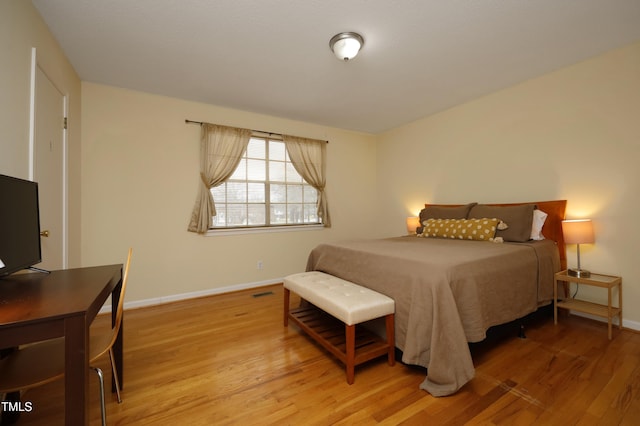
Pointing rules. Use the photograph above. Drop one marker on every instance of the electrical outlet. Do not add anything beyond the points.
(259, 265)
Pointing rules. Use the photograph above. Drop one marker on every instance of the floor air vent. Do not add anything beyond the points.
(266, 293)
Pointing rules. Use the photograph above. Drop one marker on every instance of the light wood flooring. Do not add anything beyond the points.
(227, 359)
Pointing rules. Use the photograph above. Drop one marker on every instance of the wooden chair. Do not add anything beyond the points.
(43, 362)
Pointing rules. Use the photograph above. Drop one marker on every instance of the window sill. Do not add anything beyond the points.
(262, 229)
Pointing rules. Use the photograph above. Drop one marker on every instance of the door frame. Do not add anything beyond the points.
(65, 154)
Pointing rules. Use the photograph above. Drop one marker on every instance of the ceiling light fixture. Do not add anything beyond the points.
(346, 45)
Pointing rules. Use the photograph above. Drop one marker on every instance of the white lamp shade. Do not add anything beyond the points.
(412, 224)
(346, 48)
(579, 231)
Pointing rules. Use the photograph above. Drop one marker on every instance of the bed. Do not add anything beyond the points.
(449, 290)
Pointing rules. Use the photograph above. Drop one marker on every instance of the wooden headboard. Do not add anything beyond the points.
(552, 229)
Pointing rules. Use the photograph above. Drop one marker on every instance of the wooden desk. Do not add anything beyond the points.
(39, 306)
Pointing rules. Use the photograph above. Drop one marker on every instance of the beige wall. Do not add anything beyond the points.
(22, 29)
(139, 180)
(573, 134)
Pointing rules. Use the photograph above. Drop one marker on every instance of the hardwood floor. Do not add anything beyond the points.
(227, 359)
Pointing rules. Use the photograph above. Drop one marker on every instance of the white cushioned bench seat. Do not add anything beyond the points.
(347, 302)
(350, 303)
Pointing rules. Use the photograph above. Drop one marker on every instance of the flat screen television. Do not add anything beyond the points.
(19, 225)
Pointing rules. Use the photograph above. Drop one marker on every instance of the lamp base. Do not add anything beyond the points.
(579, 273)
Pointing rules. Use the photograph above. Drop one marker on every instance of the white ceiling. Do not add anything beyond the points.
(273, 57)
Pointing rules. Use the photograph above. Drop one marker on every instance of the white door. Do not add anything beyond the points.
(49, 156)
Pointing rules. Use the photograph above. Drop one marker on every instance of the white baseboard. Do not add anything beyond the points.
(184, 296)
(632, 325)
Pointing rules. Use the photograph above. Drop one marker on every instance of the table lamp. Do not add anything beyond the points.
(578, 231)
(412, 223)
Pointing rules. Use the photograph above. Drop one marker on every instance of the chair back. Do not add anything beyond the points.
(120, 308)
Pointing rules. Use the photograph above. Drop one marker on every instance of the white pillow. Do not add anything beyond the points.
(536, 226)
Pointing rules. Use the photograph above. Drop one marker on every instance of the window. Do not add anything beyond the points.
(265, 190)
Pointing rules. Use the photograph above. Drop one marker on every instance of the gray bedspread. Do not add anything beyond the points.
(447, 293)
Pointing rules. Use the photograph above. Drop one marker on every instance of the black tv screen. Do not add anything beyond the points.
(19, 225)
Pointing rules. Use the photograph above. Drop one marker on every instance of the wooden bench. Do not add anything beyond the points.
(336, 307)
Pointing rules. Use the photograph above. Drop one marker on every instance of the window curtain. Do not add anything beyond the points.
(308, 157)
(221, 149)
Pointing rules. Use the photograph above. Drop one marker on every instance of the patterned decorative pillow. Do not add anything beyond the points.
(463, 229)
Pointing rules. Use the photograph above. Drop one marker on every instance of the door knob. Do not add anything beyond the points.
(44, 233)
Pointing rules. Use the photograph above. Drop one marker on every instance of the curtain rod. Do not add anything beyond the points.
(256, 131)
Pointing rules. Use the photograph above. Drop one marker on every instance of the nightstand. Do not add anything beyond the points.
(597, 280)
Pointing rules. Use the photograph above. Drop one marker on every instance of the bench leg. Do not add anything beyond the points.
(391, 341)
(286, 306)
(350, 334)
